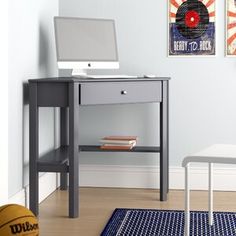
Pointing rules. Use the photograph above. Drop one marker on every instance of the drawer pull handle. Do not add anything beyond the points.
(123, 92)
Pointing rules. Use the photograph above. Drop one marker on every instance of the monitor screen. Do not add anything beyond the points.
(85, 43)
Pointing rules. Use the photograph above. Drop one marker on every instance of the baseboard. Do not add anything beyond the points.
(148, 177)
(18, 198)
(47, 184)
(133, 177)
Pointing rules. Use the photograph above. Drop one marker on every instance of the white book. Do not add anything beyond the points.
(117, 141)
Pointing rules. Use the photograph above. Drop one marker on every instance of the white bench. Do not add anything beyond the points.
(218, 153)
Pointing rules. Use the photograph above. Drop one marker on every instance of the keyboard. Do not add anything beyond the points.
(111, 76)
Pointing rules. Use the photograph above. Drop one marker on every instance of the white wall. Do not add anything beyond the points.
(202, 90)
(31, 55)
(4, 105)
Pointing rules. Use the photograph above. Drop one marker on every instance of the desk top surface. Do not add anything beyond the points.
(88, 80)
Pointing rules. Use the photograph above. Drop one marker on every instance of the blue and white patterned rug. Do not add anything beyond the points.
(147, 222)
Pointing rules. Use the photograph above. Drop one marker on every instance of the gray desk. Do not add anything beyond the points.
(72, 93)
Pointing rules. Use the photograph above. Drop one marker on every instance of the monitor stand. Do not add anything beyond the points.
(79, 73)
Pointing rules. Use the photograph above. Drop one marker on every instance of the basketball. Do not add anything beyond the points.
(17, 220)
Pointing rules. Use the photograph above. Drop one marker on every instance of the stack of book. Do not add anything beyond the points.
(118, 142)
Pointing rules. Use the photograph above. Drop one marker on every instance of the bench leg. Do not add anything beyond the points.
(210, 197)
(187, 193)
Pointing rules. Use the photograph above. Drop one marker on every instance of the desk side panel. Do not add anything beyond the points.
(52, 94)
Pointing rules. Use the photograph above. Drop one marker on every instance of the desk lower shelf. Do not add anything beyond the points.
(57, 160)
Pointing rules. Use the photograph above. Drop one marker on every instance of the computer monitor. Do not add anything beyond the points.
(83, 43)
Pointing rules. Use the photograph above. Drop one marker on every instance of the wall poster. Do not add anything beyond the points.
(191, 27)
(231, 28)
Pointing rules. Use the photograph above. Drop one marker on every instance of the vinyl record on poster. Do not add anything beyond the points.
(192, 19)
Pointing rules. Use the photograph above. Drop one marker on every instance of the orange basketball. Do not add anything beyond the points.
(17, 220)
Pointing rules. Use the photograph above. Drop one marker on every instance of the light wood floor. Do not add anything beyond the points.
(97, 205)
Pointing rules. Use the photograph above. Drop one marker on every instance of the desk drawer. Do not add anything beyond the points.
(120, 92)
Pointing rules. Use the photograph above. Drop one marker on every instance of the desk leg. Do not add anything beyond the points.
(63, 181)
(33, 149)
(164, 143)
(64, 141)
(73, 149)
